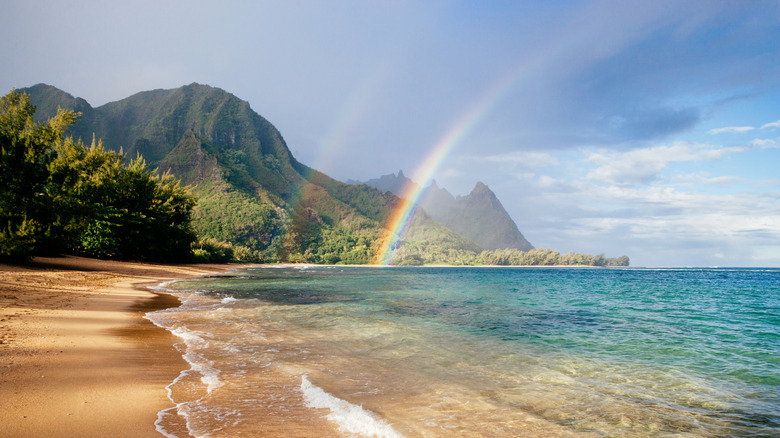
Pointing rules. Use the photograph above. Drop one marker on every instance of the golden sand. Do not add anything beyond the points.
(77, 358)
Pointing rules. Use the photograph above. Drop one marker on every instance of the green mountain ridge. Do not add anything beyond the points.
(251, 191)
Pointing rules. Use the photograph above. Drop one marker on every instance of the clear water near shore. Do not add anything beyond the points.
(365, 351)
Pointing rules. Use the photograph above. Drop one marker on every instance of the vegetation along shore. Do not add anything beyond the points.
(195, 175)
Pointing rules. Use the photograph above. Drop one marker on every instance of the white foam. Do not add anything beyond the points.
(158, 426)
(195, 341)
(162, 287)
(198, 364)
(349, 417)
(208, 374)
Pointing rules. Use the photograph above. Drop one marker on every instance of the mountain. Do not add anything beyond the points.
(251, 191)
(478, 216)
(389, 183)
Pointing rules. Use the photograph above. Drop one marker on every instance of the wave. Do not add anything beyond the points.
(349, 417)
(199, 365)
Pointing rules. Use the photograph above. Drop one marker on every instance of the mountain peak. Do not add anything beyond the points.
(482, 189)
(390, 183)
(48, 98)
(478, 216)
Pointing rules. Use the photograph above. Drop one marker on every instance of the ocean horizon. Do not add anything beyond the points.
(477, 351)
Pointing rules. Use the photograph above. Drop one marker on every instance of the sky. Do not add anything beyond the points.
(642, 128)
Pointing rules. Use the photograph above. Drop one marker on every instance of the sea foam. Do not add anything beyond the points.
(349, 417)
(198, 363)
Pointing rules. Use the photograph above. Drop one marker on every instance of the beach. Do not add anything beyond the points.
(332, 351)
(77, 358)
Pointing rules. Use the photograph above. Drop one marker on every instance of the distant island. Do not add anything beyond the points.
(194, 174)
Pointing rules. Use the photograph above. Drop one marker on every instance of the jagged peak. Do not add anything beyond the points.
(389, 177)
(482, 188)
(433, 187)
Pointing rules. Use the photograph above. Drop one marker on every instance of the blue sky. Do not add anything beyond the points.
(648, 129)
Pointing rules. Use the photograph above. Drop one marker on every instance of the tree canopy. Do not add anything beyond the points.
(60, 196)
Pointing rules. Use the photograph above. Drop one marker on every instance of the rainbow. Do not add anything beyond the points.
(410, 197)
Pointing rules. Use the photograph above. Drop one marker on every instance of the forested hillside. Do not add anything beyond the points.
(243, 197)
(256, 202)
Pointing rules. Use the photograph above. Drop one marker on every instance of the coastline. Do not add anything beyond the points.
(77, 358)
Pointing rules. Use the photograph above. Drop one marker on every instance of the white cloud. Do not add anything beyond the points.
(705, 178)
(760, 143)
(771, 125)
(731, 129)
(725, 179)
(548, 182)
(641, 166)
(659, 225)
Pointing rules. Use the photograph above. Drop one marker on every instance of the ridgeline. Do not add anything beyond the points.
(254, 202)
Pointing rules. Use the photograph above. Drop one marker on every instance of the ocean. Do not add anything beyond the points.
(476, 351)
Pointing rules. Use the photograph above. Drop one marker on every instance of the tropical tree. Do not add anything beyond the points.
(57, 195)
(112, 210)
(26, 149)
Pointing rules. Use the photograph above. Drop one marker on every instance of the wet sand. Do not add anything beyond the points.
(77, 358)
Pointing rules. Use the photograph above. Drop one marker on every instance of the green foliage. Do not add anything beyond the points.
(26, 149)
(340, 246)
(236, 217)
(368, 201)
(261, 231)
(432, 243)
(304, 233)
(61, 196)
(411, 260)
(620, 261)
(545, 257)
(112, 210)
(212, 251)
(419, 253)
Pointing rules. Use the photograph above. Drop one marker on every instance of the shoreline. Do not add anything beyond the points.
(77, 356)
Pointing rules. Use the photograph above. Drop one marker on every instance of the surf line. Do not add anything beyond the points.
(410, 196)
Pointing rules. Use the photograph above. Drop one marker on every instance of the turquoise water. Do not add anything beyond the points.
(365, 351)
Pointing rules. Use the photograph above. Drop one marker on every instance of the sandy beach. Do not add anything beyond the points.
(77, 358)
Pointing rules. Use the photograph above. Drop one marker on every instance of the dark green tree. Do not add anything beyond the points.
(26, 149)
(112, 210)
(57, 195)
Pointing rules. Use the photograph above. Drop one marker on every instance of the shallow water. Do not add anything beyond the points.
(366, 351)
